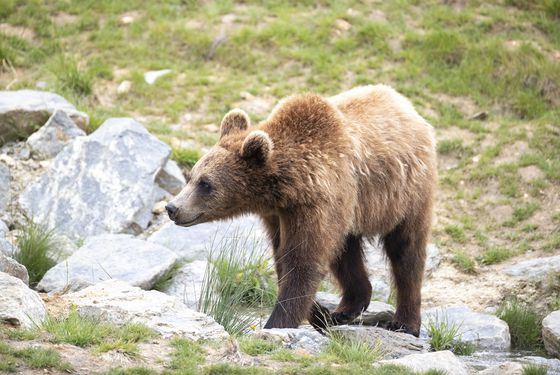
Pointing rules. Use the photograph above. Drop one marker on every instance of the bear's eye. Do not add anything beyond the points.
(205, 186)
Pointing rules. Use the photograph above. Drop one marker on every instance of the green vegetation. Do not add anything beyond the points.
(86, 331)
(525, 324)
(496, 255)
(38, 250)
(238, 277)
(185, 157)
(255, 346)
(534, 370)
(521, 214)
(164, 280)
(19, 334)
(343, 350)
(187, 357)
(11, 359)
(464, 262)
(445, 335)
(456, 232)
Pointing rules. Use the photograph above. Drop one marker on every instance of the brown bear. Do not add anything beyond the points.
(325, 174)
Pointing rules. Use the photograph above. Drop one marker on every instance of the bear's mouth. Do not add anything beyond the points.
(190, 222)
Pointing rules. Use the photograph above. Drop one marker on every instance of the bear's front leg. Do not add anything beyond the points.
(301, 279)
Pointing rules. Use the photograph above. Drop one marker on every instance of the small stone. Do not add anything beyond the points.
(171, 178)
(507, 368)
(13, 268)
(6, 248)
(152, 76)
(483, 115)
(304, 338)
(127, 20)
(116, 302)
(342, 25)
(159, 207)
(19, 305)
(52, 137)
(445, 361)
(124, 87)
(551, 333)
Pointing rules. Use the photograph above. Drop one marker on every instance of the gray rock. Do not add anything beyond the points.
(187, 283)
(51, 138)
(534, 269)
(24, 111)
(116, 302)
(444, 361)
(103, 183)
(6, 248)
(303, 338)
(376, 313)
(551, 364)
(506, 368)
(486, 332)
(153, 75)
(196, 242)
(551, 333)
(5, 180)
(19, 305)
(3, 229)
(393, 344)
(171, 178)
(110, 256)
(13, 268)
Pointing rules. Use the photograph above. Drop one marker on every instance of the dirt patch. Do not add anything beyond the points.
(511, 153)
(62, 19)
(530, 173)
(17, 31)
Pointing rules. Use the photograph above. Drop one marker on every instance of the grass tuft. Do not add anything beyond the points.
(238, 278)
(535, 370)
(70, 79)
(255, 346)
(185, 157)
(464, 262)
(524, 323)
(38, 250)
(496, 255)
(39, 358)
(188, 356)
(445, 335)
(76, 330)
(343, 350)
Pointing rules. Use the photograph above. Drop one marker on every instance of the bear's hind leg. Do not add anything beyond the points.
(350, 271)
(406, 248)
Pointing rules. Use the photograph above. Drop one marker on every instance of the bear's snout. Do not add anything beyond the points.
(171, 211)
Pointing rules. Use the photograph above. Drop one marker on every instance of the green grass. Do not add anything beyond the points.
(534, 370)
(19, 334)
(238, 278)
(445, 335)
(456, 232)
(524, 323)
(464, 262)
(496, 255)
(12, 359)
(522, 213)
(343, 350)
(130, 371)
(38, 250)
(88, 331)
(165, 280)
(255, 346)
(185, 157)
(70, 79)
(187, 357)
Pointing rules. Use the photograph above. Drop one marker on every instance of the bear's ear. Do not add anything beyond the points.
(257, 146)
(234, 121)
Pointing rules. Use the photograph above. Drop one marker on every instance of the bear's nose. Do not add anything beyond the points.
(171, 210)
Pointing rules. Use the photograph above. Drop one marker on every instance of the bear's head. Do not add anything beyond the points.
(229, 179)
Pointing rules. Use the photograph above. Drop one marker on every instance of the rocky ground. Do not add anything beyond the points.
(147, 85)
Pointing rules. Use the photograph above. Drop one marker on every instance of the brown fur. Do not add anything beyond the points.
(325, 174)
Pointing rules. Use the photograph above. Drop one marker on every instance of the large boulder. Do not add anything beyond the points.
(19, 305)
(110, 256)
(485, 331)
(377, 312)
(534, 269)
(51, 138)
(116, 302)
(24, 111)
(197, 242)
(187, 283)
(11, 267)
(5, 180)
(444, 361)
(551, 333)
(103, 183)
(393, 344)
(171, 178)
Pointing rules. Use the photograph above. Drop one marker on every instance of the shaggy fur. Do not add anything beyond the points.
(324, 174)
